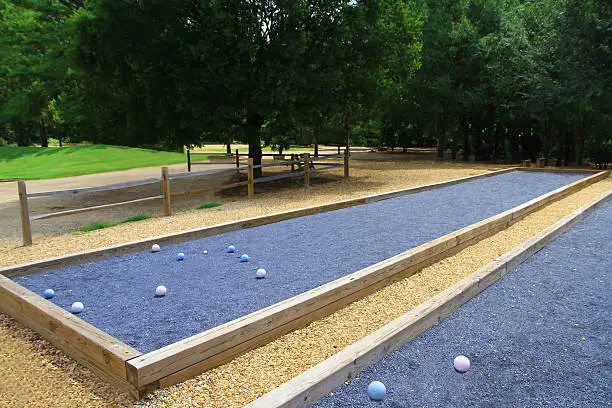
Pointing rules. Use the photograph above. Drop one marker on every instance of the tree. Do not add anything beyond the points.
(240, 62)
(35, 67)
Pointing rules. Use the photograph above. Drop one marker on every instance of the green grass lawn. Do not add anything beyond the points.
(53, 162)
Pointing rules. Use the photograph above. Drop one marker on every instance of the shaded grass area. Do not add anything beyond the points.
(54, 162)
(101, 225)
(212, 204)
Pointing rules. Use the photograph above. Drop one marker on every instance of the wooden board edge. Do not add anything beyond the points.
(321, 379)
(98, 351)
(181, 356)
(198, 233)
(220, 358)
(558, 194)
(559, 170)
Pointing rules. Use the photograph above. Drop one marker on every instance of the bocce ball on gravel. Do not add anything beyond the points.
(77, 307)
(461, 364)
(377, 391)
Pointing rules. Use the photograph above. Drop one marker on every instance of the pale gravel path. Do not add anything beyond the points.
(36, 372)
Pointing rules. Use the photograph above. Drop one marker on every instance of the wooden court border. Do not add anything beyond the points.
(138, 374)
(313, 384)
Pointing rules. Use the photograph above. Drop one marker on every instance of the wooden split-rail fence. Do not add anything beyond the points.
(305, 167)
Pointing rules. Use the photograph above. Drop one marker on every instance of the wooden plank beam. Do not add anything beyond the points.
(313, 384)
(26, 227)
(96, 350)
(251, 182)
(109, 187)
(559, 170)
(94, 208)
(166, 191)
(209, 189)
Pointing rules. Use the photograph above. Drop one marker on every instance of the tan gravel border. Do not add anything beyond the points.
(313, 384)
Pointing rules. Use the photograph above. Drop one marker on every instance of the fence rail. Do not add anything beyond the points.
(117, 186)
(306, 166)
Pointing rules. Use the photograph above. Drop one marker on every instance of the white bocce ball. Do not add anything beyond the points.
(261, 273)
(155, 248)
(77, 307)
(461, 364)
(160, 291)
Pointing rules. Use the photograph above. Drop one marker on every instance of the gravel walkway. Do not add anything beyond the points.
(207, 290)
(540, 336)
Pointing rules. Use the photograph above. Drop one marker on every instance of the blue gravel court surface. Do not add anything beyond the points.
(541, 336)
(206, 290)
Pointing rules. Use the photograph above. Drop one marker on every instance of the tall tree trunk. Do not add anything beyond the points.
(44, 140)
(547, 141)
(467, 151)
(498, 141)
(228, 144)
(476, 132)
(560, 143)
(567, 151)
(441, 136)
(251, 130)
(579, 146)
(316, 142)
(441, 142)
(454, 147)
(514, 146)
(347, 134)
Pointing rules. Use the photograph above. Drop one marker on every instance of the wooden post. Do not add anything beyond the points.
(292, 162)
(338, 149)
(166, 191)
(346, 165)
(307, 169)
(26, 229)
(526, 163)
(251, 189)
(188, 160)
(237, 158)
